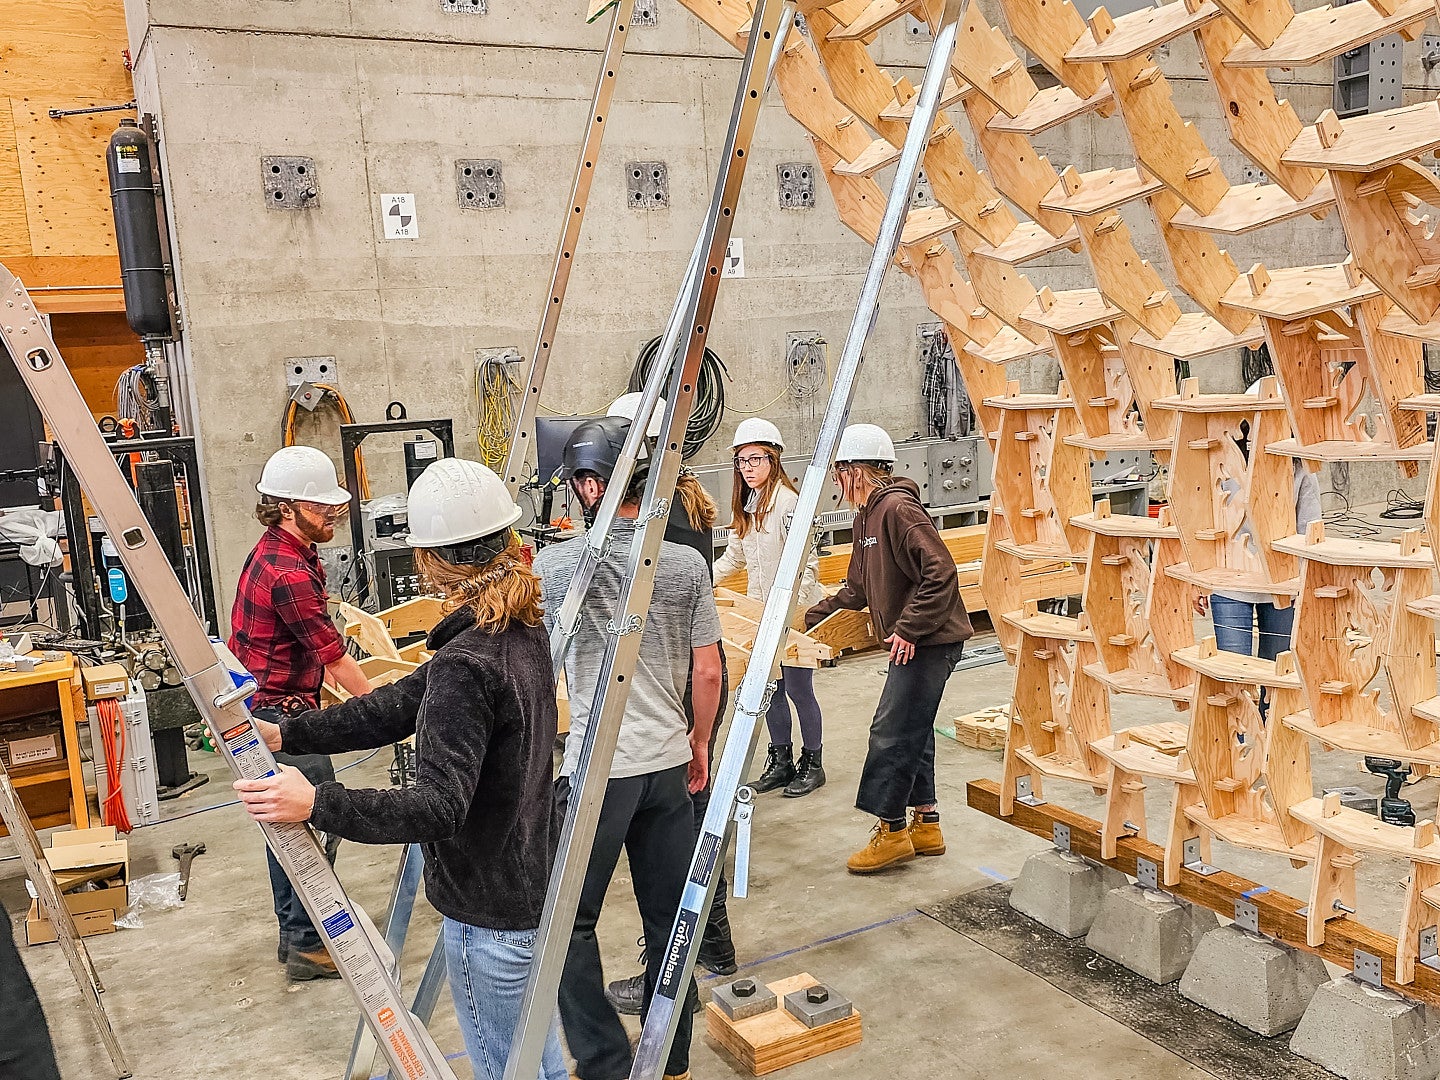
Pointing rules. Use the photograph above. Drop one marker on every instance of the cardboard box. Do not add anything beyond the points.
(92, 869)
(105, 681)
(39, 931)
(35, 750)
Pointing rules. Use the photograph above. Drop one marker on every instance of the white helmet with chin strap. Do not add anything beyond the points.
(302, 474)
(462, 508)
(866, 442)
(756, 429)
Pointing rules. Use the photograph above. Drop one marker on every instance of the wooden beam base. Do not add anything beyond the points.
(1279, 913)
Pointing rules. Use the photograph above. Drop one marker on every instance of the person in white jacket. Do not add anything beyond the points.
(763, 505)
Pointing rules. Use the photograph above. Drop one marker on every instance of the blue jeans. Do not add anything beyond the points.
(488, 970)
(1236, 622)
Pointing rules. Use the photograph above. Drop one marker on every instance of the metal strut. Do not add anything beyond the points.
(361, 957)
(613, 685)
(670, 992)
(522, 436)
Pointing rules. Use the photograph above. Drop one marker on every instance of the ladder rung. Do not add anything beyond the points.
(1210, 534)
(1113, 560)
(1145, 77)
(1220, 701)
(1325, 401)
(1203, 444)
(1228, 783)
(1335, 687)
(1031, 512)
(1044, 654)
(1122, 640)
(1332, 592)
(1102, 402)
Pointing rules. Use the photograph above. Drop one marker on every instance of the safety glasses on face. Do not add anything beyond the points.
(323, 512)
(750, 461)
(842, 468)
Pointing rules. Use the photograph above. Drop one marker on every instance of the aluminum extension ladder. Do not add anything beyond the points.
(692, 310)
(364, 961)
(756, 687)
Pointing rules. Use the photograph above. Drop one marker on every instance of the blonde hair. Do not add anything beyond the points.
(502, 589)
(700, 508)
(742, 520)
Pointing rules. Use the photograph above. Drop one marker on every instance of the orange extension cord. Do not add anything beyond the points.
(112, 734)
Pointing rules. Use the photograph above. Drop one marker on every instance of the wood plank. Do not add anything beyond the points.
(1137, 33)
(1098, 191)
(1070, 311)
(1030, 240)
(901, 112)
(1324, 33)
(1246, 207)
(1370, 142)
(879, 14)
(1296, 291)
(1050, 108)
(1197, 334)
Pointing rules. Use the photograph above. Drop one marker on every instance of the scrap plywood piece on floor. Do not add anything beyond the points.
(773, 1040)
(982, 730)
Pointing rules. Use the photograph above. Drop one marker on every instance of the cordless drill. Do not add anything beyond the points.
(1393, 809)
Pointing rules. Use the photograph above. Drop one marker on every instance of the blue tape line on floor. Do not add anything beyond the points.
(993, 873)
(902, 917)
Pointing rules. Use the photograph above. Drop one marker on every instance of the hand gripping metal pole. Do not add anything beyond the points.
(755, 687)
(359, 954)
(521, 436)
(625, 629)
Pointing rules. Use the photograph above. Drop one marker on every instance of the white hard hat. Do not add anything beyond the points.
(755, 429)
(627, 405)
(865, 442)
(303, 473)
(455, 501)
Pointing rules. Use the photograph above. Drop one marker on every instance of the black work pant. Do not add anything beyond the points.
(296, 930)
(899, 766)
(25, 1049)
(651, 818)
(716, 943)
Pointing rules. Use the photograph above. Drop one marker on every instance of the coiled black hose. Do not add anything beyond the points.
(709, 406)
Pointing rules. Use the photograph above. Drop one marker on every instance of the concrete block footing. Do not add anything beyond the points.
(1151, 933)
(1259, 983)
(1063, 891)
(1363, 1033)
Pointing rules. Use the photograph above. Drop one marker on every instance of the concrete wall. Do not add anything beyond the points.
(386, 94)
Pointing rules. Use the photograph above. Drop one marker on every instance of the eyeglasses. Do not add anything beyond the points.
(323, 512)
(842, 468)
(750, 461)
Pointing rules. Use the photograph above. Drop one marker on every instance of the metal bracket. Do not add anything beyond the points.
(647, 185)
(1247, 916)
(1430, 947)
(797, 185)
(924, 194)
(465, 7)
(647, 13)
(1191, 860)
(1147, 873)
(479, 183)
(290, 183)
(1061, 835)
(1368, 969)
(1025, 792)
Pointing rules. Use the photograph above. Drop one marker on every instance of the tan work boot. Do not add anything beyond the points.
(681, 1076)
(925, 835)
(887, 848)
(301, 966)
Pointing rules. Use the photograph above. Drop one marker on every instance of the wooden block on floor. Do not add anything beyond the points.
(773, 1040)
(983, 730)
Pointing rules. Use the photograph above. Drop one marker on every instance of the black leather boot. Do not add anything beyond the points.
(717, 949)
(779, 769)
(809, 775)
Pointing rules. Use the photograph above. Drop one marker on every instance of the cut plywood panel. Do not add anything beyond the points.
(14, 224)
(62, 167)
(1324, 33)
(771, 1041)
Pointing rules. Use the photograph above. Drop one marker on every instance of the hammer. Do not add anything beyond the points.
(186, 854)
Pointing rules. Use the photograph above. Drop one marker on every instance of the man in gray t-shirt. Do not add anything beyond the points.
(647, 810)
(681, 619)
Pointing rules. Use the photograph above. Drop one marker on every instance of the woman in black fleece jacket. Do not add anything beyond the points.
(483, 714)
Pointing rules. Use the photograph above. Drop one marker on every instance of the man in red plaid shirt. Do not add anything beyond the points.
(282, 632)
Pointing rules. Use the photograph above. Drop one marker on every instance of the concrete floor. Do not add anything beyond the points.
(197, 993)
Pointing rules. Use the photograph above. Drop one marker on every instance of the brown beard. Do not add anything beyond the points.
(313, 531)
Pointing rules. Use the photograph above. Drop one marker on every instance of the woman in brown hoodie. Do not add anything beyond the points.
(901, 570)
